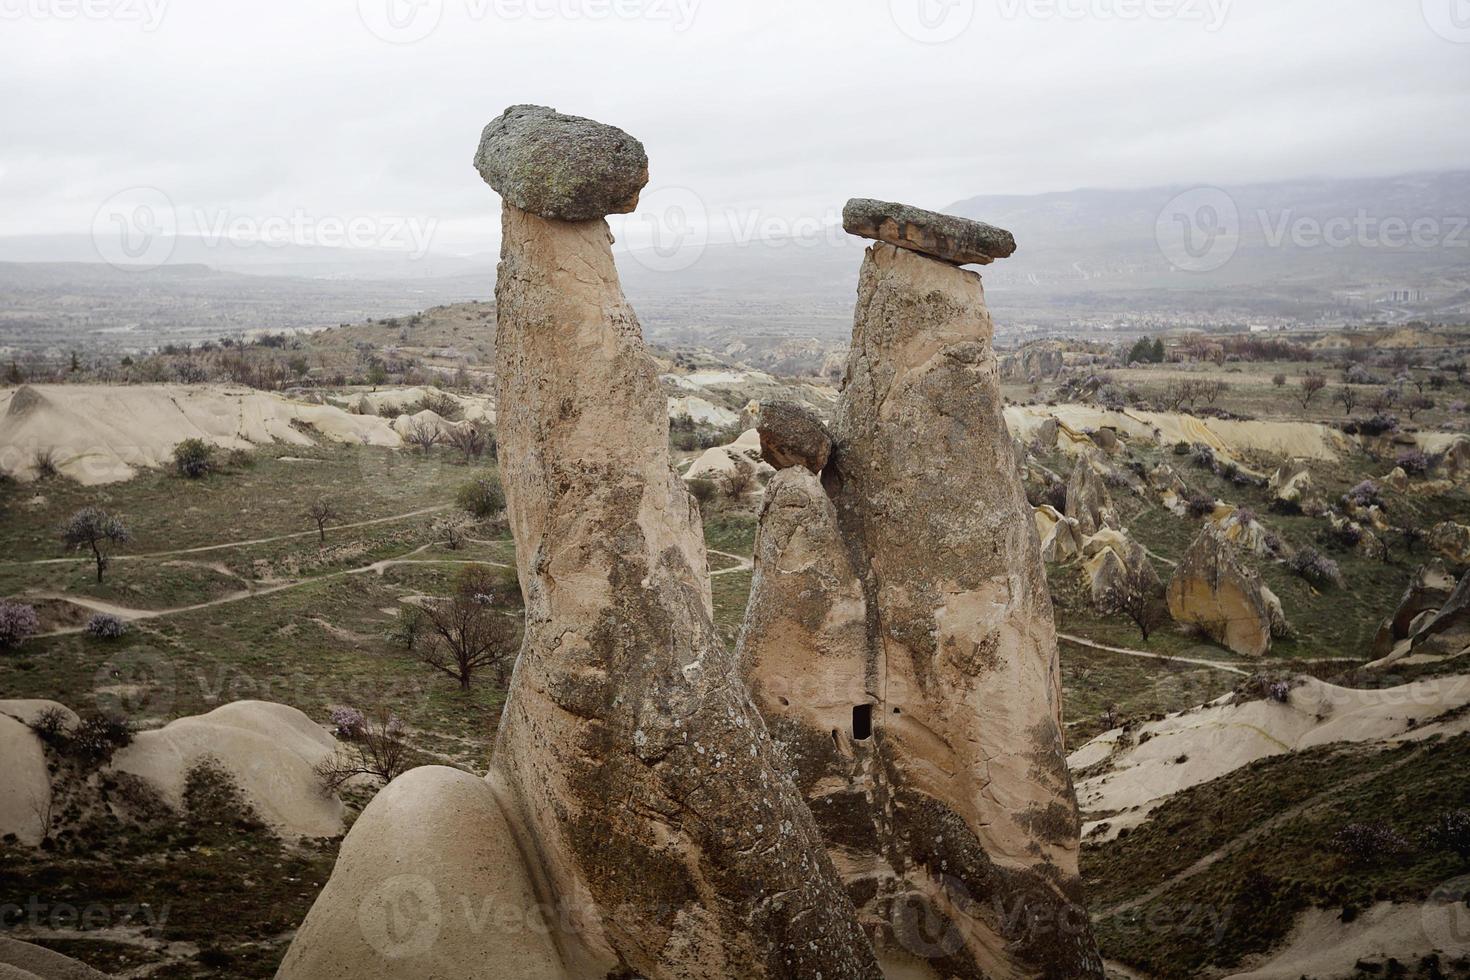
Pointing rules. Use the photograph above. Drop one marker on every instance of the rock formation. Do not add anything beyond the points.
(899, 641)
(1292, 489)
(941, 236)
(1037, 361)
(793, 435)
(899, 651)
(1108, 558)
(1428, 591)
(1450, 540)
(1060, 539)
(24, 961)
(633, 782)
(1213, 590)
(1088, 500)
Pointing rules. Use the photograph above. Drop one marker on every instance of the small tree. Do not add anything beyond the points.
(1348, 395)
(322, 513)
(18, 623)
(466, 632)
(470, 441)
(423, 436)
(739, 480)
(194, 458)
(375, 746)
(1311, 384)
(1135, 594)
(1417, 404)
(1279, 380)
(1452, 832)
(92, 528)
(482, 497)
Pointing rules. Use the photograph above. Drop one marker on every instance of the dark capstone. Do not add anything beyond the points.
(792, 435)
(562, 167)
(943, 236)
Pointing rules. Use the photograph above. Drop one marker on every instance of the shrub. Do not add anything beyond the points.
(1414, 461)
(18, 623)
(1364, 843)
(1451, 831)
(44, 464)
(482, 496)
(98, 737)
(1350, 534)
(406, 628)
(445, 406)
(1365, 494)
(1201, 504)
(378, 749)
(1380, 424)
(194, 458)
(703, 490)
(348, 723)
(1280, 692)
(1181, 448)
(1202, 456)
(52, 726)
(105, 626)
(1315, 567)
(1279, 380)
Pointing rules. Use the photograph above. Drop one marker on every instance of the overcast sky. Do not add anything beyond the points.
(260, 109)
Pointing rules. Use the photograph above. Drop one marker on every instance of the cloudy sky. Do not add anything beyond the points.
(250, 110)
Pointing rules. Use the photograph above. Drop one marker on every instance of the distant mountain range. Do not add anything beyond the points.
(1323, 250)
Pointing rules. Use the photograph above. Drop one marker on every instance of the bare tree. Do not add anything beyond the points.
(739, 481)
(470, 441)
(1311, 384)
(1348, 395)
(466, 632)
(424, 436)
(1212, 390)
(94, 529)
(322, 513)
(1135, 594)
(375, 747)
(1417, 404)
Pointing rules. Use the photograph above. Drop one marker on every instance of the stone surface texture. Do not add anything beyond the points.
(559, 166)
(793, 435)
(942, 236)
(1212, 589)
(920, 701)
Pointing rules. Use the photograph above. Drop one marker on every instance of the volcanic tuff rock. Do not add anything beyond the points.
(1088, 500)
(641, 796)
(943, 236)
(1213, 590)
(793, 435)
(560, 166)
(1451, 541)
(911, 596)
(1428, 591)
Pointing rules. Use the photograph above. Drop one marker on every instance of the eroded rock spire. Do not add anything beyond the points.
(900, 638)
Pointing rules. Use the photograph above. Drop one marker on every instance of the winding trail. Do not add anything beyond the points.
(239, 544)
(1082, 641)
(745, 564)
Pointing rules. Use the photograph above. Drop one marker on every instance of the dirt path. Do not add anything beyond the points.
(133, 615)
(1254, 834)
(746, 564)
(242, 544)
(1090, 644)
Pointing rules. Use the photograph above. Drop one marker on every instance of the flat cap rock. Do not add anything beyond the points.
(942, 236)
(562, 167)
(793, 435)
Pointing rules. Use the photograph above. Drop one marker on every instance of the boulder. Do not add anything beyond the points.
(1447, 631)
(30, 962)
(1292, 488)
(1215, 592)
(793, 435)
(917, 592)
(941, 236)
(25, 792)
(1450, 540)
(1060, 538)
(1429, 589)
(1088, 500)
(1244, 531)
(558, 166)
(1396, 480)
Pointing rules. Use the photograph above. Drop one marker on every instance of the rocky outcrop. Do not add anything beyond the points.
(1428, 591)
(557, 166)
(1060, 538)
(941, 236)
(1112, 561)
(635, 779)
(793, 435)
(1038, 361)
(1450, 540)
(1088, 500)
(1215, 592)
(908, 587)
(1292, 489)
